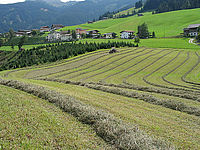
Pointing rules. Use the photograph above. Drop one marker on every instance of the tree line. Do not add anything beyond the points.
(54, 52)
(170, 5)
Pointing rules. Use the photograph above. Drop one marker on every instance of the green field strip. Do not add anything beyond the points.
(173, 77)
(28, 122)
(157, 78)
(52, 70)
(191, 71)
(117, 64)
(122, 66)
(139, 69)
(116, 75)
(130, 68)
(104, 64)
(97, 62)
(98, 74)
(180, 128)
(104, 71)
(156, 74)
(142, 70)
(138, 77)
(83, 67)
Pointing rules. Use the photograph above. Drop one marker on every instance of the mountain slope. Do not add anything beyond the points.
(164, 24)
(34, 13)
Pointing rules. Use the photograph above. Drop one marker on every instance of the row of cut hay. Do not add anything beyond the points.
(102, 72)
(177, 92)
(175, 84)
(183, 78)
(111, 57)
(64, 67)
(171, 104)
(112, 130)
(47, 65)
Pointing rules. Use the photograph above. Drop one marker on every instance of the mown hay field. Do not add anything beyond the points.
(156, 89)
(28, 122)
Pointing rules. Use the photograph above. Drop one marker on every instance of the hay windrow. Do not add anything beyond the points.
(171, 104)
(112, 130)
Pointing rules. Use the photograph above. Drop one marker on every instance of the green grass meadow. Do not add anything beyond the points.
(164, 25)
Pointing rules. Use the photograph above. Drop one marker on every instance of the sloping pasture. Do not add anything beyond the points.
(157, 89)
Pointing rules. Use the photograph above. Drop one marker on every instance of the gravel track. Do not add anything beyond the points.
(58, 76)
(127, 77)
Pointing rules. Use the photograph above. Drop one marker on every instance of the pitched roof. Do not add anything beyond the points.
(128, 31)
(194, 26)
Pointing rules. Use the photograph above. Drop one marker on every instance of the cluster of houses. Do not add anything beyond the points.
(81, 33)
(191, 30)
(41, 30)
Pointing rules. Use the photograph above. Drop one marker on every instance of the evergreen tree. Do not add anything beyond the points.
(138, 4)
(198, 36)
(12, 46)
(137, 40)
(143, 31)
(1, 42)
(21, 42)
(74, 36)
(11, 33)
(114, 35)
(153, 34)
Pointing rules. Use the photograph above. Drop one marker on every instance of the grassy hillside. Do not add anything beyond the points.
(164, 24)
(28, 122)
(160, 91)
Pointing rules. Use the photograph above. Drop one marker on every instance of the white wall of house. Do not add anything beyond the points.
(126, 35)
(109, 36)
(57, 36)
(66, 37)
(53, 36)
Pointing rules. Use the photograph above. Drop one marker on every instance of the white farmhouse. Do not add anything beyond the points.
(54, 36)
(108, 35)
(127, 34)
(59, 36)
(65, 36)
(191, 30)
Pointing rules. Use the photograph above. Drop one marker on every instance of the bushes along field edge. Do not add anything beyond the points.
(122, 136)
